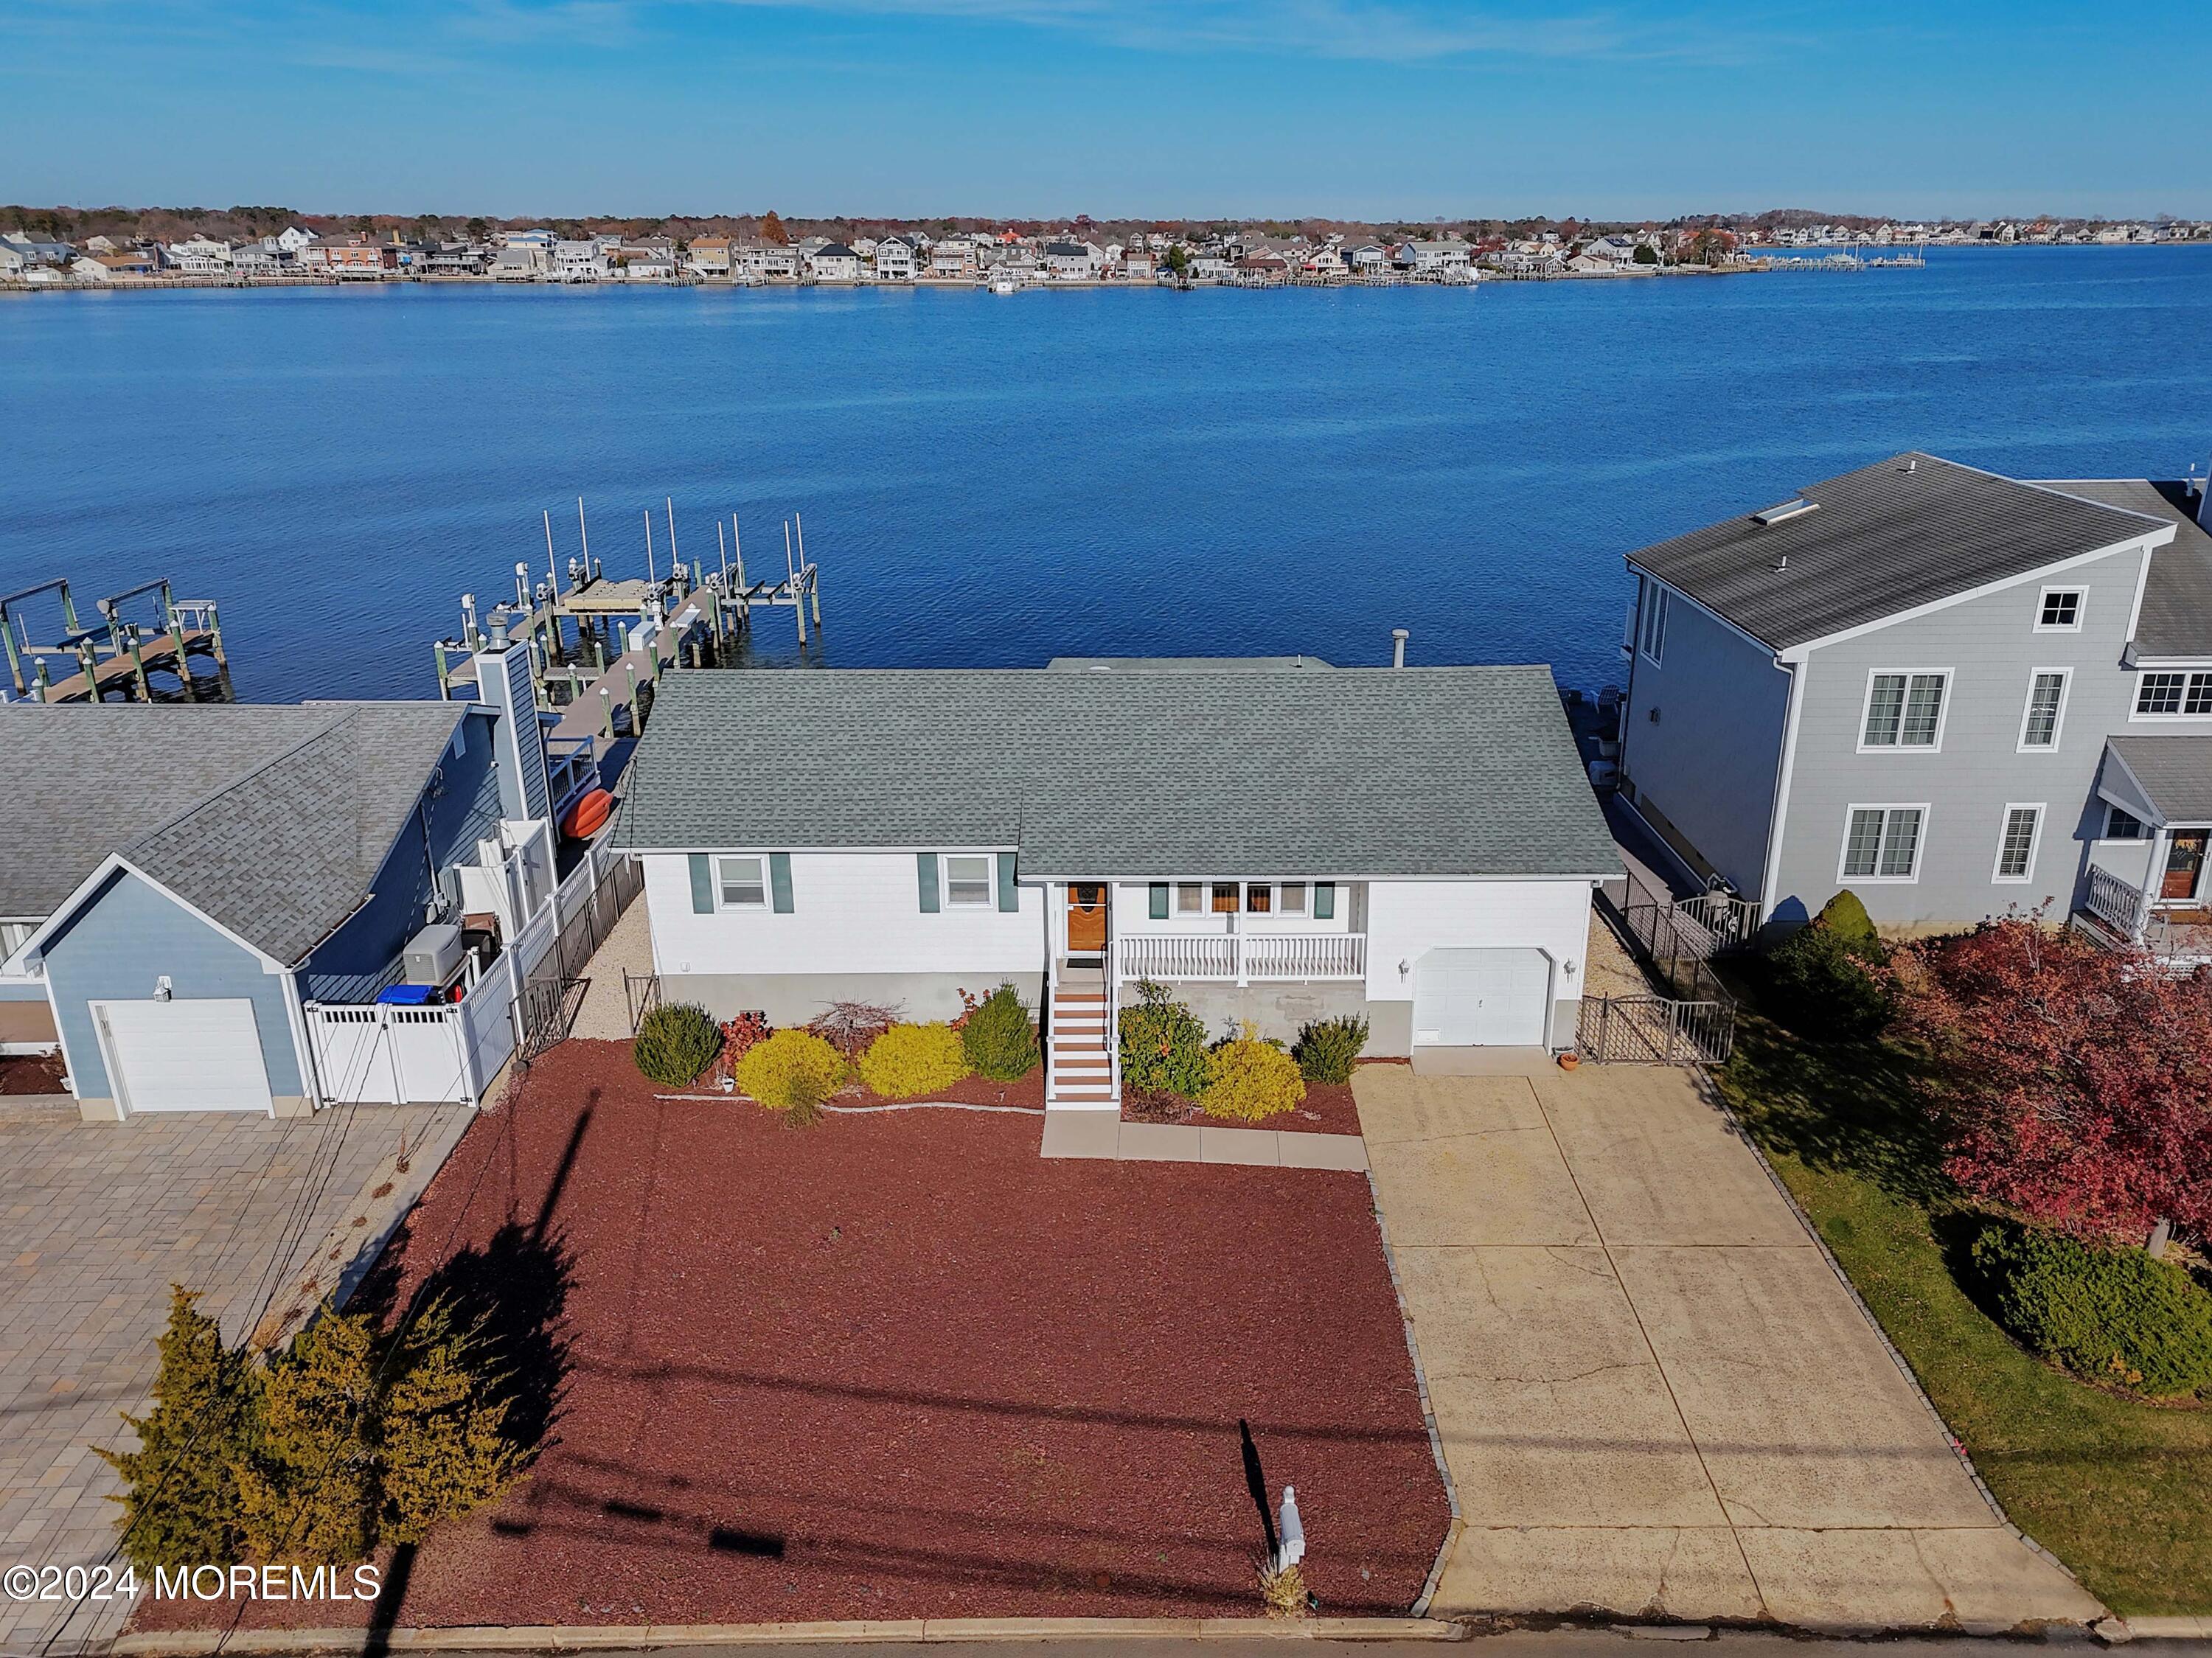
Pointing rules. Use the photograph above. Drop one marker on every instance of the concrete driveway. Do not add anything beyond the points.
(96, 1221)
(1655, 1397)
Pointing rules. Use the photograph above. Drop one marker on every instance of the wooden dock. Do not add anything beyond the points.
(119, 656)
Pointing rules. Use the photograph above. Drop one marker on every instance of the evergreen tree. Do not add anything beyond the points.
(307, 1490)
(179, 1499)
(445, 1449)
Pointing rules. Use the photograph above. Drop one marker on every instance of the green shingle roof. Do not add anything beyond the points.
(1377, 772)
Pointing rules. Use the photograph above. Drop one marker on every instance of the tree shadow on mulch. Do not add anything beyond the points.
(1855, 1106)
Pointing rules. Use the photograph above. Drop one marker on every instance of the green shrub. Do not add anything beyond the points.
(1251, 1080)
(181, 1486)
(1824, 979)
(910, 1060)
(2111, 1315)
(1163, 1045)
(793, 1071)
(306, 1492)
(1326, 1048)
(444, 1449)
(999, 1037)
(675, 1043)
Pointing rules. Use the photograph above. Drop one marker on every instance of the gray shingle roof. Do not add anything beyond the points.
(1347, 772)
(1904, 532)
(2177, 601)
(2175, 772)
(271, 819)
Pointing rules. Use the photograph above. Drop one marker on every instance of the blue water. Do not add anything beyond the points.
(996, 479)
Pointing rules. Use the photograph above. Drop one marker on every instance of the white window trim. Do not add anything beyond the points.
(1942, 711)
(2106, 837)
(2041, 809)
(2081, 608)
(1919, 847)
(2136, 717)
(722, 899)
(944, 898)
(1651, 624)
(2027, 709)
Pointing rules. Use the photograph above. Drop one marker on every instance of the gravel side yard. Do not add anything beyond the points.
(899, 1365)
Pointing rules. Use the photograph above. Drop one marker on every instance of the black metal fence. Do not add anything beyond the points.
(1655, 1030)
(1675, 944)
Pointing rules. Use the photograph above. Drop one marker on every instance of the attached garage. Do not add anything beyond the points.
(1471, 998)
(183, 1055)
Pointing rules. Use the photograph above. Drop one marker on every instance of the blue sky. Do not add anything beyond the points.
(1356, 108)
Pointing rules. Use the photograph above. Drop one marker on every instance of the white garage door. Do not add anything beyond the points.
(1481, 998)
(183, 1055)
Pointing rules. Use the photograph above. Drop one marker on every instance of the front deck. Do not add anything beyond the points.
(2119, 914)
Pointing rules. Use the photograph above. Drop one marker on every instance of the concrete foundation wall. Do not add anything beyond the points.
(1280, 1010)
(793, 999)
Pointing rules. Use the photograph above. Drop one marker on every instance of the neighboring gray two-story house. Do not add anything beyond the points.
(1953, 693)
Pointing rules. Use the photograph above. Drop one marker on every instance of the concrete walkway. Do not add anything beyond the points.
(603, 1015)
(96, 1221)
(1655, 1396)
(1091, 1134)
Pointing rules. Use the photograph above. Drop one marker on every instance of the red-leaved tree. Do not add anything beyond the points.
(2072, 1083)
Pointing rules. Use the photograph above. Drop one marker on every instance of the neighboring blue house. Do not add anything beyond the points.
(197, 877)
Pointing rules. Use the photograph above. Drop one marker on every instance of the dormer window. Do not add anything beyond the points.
(2059, 610)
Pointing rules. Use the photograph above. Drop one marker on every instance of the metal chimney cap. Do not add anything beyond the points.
(499, 639)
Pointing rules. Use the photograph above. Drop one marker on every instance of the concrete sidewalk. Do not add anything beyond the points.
(1655, 1395)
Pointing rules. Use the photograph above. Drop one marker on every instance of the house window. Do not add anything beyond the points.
(2016, 845)
(1655, 621)
(1259, 899)
(745, 886)
(2120, 824)
(1226, 895)
(1882, 843)
(1294, 898)
(1904, 710)
(968, 881)
(2059, 612)
(1190, 898)
(1156, 900)
(2174, 696)
(2046, 704)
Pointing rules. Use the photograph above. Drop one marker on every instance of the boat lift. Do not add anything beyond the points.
(114, 653)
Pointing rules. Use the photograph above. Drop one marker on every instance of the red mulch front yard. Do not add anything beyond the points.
(899, 1365)
(1328, 1108)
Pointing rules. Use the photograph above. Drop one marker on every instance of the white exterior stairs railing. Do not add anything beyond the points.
(1079, 1066)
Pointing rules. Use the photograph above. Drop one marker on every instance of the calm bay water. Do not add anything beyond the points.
(997, 480)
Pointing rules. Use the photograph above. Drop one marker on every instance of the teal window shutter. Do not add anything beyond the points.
(779, 881)
(1159, 904)
(1009, 900)
(925, 875)
(702, 886)
(1324, 900)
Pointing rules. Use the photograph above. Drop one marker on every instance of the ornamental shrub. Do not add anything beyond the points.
(307, 1490)
(1000, 1037)
(793, 1071)
(1326, 1047)
(910, 1060)
(1163, 1045)
(1826, 979)
(181, 1486)
(2117, 1316)
(443, 1440)
(675, 1043)
(1251, 1080)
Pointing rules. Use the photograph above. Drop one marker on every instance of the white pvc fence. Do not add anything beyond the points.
(376, 1052)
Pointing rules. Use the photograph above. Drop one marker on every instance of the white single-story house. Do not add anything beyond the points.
(1276, 839)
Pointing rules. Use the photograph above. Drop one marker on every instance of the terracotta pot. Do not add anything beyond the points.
(1569, 1061)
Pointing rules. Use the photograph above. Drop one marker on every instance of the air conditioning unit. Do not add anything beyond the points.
(432, 956)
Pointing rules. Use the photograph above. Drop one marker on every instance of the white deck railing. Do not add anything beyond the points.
(2117, 902)
(1238, 958)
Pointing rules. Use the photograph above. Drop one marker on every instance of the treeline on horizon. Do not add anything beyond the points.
(165, 224)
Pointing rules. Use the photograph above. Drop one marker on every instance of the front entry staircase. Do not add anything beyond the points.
(1079, 1072)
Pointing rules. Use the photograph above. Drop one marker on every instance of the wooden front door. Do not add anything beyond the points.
(2184, 862)
(1087, 917)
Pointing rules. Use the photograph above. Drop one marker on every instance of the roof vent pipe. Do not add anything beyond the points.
(1398, 638)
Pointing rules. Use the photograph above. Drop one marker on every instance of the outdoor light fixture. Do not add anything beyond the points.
(162, 988)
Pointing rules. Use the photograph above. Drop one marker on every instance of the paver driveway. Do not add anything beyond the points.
(96, 1222)
(1655, 1395)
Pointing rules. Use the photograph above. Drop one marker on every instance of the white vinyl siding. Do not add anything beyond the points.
(2045, 712)
(1883, 843)
(2016, 842)
(1904, 710)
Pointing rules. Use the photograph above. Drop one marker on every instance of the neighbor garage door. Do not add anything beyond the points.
(183, 1055)
(1481, 998)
